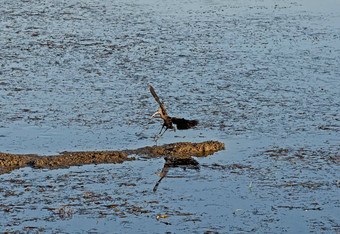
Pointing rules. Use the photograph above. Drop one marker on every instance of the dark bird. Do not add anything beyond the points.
(180, 123)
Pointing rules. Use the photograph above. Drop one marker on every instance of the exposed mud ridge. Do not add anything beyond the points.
(180, 150)
(9, 162)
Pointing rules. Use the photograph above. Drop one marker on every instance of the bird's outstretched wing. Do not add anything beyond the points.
(161, 104)
(184, 123)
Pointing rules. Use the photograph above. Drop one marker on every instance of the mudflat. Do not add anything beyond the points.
(178, 150)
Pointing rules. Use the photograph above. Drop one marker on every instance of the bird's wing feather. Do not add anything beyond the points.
(184, 123)
(161, 104)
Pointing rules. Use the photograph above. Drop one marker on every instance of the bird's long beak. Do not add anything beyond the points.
(154, 114)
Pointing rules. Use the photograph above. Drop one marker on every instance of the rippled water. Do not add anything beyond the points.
(259, 75)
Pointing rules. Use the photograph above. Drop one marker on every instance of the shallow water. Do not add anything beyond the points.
(259, 75)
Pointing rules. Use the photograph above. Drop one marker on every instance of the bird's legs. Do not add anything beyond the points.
(167, 123)
(154, 116)
(160, 130)
(159, 134)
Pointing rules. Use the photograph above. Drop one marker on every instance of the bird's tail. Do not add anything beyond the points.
(184, 123)
(192, 123)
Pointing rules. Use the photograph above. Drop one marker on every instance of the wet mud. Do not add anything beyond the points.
(10, 162)
(180, 150)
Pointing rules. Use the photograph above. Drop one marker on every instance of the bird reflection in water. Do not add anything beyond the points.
(170, 162)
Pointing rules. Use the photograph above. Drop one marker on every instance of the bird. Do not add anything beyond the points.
(169, 122)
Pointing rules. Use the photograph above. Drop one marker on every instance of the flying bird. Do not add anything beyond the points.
(180, 123)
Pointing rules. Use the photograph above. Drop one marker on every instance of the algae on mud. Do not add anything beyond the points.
(9, 162)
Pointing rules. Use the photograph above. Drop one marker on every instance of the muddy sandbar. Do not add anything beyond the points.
(9, 162)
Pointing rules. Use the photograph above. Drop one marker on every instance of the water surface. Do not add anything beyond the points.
(261, 76)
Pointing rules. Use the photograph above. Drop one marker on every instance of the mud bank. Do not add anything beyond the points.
(180, 150)
(9, 162)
